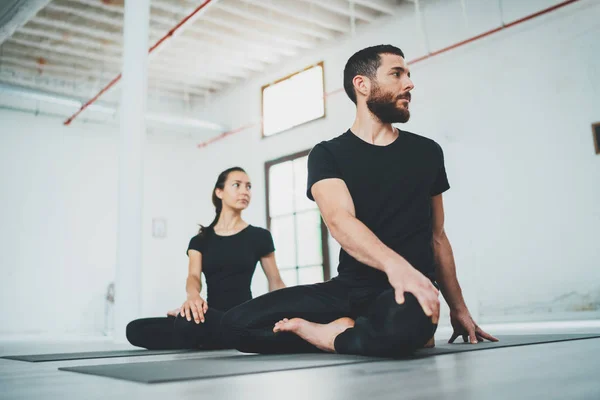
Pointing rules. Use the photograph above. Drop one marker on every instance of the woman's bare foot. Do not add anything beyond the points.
(321, 336)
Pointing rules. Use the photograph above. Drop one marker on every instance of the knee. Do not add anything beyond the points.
(234, 320)
(232, 327)
(182, 324)
(133, 332)
(409, 324)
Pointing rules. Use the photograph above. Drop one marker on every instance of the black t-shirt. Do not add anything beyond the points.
(391, 187)
(228, 263)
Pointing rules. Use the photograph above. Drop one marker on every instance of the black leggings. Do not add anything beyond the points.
(383, 327)
(168, 333)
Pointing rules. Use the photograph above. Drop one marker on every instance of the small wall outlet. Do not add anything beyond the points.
(159, 228)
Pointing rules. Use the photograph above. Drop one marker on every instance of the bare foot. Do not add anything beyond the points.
(321, 336)
(430, 343)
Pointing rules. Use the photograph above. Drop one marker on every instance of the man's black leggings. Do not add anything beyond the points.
(383, 327)
(169, 333)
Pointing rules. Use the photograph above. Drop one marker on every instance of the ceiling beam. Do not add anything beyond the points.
(262, 53)
(116, 21)
(207, 78)
(15, 13)
(343, 8)
(377, 5)
(292, 9)
(70, 39)
(73, 28)
(254, 15)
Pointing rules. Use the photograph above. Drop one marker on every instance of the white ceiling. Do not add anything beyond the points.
(74, 47)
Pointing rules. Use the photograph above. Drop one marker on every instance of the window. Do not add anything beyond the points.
(299, 234)
(294, 100)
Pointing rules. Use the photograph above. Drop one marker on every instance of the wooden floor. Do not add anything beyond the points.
(565, 371)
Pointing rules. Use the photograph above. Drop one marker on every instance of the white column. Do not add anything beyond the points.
(128, 281)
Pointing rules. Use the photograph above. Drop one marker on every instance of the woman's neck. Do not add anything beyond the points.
(230, 221)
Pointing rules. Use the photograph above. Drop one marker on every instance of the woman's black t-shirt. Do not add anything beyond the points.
(228, 263)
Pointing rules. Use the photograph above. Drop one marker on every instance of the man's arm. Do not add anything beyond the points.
(337, 208)
(445, 270)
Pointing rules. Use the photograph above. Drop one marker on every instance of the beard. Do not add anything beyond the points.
(383, 106)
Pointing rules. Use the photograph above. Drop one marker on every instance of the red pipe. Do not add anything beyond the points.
(490, 32)
(118, 77)
(430, 55)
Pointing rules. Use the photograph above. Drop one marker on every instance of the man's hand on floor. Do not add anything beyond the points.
(464, 325)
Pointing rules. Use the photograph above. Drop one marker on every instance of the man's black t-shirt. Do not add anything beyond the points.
(391, 187)
(228, 263)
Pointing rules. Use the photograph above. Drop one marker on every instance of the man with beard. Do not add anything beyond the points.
(379, 190)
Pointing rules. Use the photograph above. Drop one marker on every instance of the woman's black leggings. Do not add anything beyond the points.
(383, 327)
(168, 333)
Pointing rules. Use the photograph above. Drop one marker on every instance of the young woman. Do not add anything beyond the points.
(227, 252)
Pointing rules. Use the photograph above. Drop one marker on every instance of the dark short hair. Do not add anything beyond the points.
(365, 62)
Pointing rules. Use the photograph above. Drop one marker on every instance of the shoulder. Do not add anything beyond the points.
(333, 144)
(422, 142)
(261, 239)
(415, 137)
(197, 239)
(328, 148)
(257, 231)
(197, 243)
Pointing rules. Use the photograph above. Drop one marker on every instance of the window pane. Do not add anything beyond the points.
(310, 248)
(282, 230)
(293, 101)
(300, 177)
(308, 275)
(289, 276)
(281, 190)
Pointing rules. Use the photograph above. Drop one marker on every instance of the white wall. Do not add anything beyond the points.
(513, 114)
(59, 213)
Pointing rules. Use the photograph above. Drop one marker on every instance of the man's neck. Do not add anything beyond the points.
(374, 131)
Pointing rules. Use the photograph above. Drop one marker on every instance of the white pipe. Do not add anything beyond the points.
(51, 98)
(178, 120)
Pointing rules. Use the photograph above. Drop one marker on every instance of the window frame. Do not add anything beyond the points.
(262, 101)
(324, 230)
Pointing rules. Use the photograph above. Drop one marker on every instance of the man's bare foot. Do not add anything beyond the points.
(430, 343)
(321, 336)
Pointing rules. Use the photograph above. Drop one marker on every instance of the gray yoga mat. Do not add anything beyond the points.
(203, 368)
(208, 368)
(505, 341)
(91, 355)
